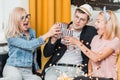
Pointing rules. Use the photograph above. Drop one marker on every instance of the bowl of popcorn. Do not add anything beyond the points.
(63, 76)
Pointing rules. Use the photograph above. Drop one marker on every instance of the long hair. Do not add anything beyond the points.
(112, 26)
(13, 27)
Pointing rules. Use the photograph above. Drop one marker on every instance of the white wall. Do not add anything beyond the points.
(10, 4)
(5, 8)
(1, 14)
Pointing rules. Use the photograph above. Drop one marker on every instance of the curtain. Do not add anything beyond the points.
(44, 13)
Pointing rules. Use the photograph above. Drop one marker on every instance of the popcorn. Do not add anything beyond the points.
(64, 77)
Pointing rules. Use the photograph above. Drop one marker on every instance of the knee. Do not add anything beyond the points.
(35, 77)
(51, 77)
(16, 78)
(11, 78)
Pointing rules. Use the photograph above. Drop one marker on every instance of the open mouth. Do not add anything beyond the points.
(25, 24)
(97, 29)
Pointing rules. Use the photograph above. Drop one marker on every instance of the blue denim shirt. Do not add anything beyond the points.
(21, 49)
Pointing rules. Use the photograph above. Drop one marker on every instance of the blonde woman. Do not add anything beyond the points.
(22, 43)
(104, 46)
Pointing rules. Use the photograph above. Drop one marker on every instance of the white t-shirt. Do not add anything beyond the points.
(73, 53)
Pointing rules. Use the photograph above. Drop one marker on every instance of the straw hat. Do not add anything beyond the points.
(87, 9)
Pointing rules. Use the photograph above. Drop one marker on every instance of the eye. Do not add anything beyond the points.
(82, 19)
(22, 17)
(76, 16)
(27, 16)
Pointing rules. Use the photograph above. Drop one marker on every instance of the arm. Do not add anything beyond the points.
(49, 48)
(89, 68)
(93, 55)
(106, 51)
(25, 44)
(34, 43)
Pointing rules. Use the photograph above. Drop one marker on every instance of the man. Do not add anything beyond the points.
(70, 61)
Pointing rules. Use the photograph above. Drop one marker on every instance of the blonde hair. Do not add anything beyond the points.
(13, 28)
(112, 26)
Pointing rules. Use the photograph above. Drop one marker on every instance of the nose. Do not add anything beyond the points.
(95, 24)
(78, 20)
(27, 19)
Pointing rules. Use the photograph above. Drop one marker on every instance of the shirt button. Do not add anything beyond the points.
(59, 47)
(82, 41)
(50, 64)
(87, 43)
(58, 54)
(85, 64)
(54, 65)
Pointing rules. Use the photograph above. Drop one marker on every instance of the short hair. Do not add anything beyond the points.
(81, 11)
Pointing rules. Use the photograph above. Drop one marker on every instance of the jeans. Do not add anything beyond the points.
(15, 73)
(52, 73)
